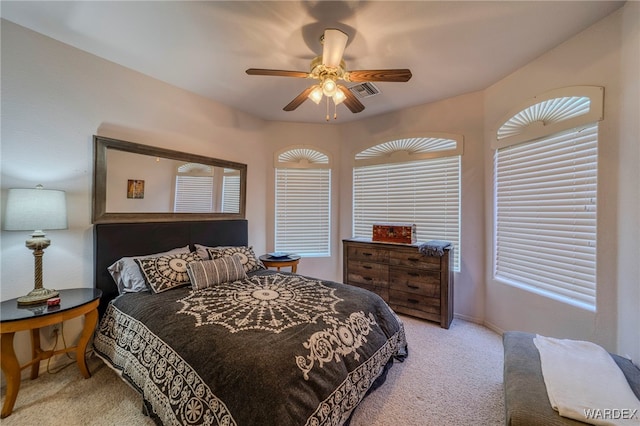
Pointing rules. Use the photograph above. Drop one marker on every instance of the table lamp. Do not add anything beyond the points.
(36, 210)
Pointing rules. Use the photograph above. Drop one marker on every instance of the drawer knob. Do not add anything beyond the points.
(415, 287)
(366, 267)
(413, 259)
(367, 278)
(367, 254)
(413, 274)
(412, 301)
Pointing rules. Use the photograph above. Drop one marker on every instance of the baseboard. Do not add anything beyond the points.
(481, 322)
(493, 327)
(468, 318)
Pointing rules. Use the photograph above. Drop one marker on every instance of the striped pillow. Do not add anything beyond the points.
(208, 273)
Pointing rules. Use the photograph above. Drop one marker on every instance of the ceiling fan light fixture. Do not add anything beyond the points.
(329, 87)
(316, 94)
(328, 69)
(339, 97)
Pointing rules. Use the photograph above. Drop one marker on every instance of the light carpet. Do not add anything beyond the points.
(451, 377)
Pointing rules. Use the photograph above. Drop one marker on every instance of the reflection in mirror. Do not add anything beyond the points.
(134, 182)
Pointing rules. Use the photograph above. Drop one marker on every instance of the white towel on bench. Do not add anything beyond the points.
(584, 383)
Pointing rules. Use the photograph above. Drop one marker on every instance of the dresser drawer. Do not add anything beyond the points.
(414, 301)
(367, 253)
(414, 259)
(416, 281)
(369, 273)
(383, 292)
(410, 282)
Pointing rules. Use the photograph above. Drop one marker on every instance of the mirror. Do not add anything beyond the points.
(141, 183)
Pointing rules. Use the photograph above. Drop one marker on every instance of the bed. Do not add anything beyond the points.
(269, 348)
(526, 399)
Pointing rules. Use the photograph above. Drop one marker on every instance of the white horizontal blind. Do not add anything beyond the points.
(194, 194)
(425, 192)
(231, 193)
(545, 230)
(303, 211)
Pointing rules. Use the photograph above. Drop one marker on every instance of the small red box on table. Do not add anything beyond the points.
(404, 233)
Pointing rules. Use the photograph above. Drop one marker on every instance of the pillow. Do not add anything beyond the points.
(163, 273)
(249, 260)
(126, 272)
(202, 251)
(208, 273)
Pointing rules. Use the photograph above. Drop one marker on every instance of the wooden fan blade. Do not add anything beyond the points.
(399, 75)
(277, 73)
(298, 99)
(351, 102)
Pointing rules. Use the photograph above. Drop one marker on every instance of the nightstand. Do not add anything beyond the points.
(73, 303)
(284, 262)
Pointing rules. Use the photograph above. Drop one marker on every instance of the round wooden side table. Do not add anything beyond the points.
(73, 303)
(281, 262)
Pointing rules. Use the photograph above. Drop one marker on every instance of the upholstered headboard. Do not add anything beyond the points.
(115, 240)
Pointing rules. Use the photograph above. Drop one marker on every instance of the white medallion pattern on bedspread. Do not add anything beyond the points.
(339, 340)
(272, 349)
(262, 302)
(153, 367)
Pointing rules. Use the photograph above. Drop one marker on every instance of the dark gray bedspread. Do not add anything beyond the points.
(526, 399)
(275, 349)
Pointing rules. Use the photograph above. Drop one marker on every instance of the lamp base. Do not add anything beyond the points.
(36, 296)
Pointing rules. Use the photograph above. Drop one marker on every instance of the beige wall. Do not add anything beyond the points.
(460, 115)
(593, 57)
(55, 97)
(628, 219)
(324, 138)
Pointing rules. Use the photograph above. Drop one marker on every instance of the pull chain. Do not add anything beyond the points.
(327, 108)
(335, 111)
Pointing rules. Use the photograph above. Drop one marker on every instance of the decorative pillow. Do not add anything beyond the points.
(208, 273)
(202, 251)
(249, 260)
(163, 273)
(126, 272)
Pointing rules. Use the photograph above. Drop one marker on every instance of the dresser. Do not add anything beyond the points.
(410, 282)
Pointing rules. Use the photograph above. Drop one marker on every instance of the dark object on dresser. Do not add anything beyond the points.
(526, 399)
(410, 282)
(433, 248)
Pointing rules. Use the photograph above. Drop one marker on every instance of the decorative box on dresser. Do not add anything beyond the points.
(409, 281)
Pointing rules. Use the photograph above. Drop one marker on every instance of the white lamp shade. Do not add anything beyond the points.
(35, 209)
(329, 87)
(334, 42)
(316, 94)
(339, 97)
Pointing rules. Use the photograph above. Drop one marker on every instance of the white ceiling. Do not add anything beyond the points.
(451, 47)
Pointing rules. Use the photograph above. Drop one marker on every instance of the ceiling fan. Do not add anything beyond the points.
(329, 69)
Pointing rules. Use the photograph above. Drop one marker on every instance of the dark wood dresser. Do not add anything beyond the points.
(410, 282)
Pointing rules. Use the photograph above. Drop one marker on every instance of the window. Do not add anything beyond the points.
(303, 202)
(414, 180)
(231, 191)
(194, 189)
(546, 197)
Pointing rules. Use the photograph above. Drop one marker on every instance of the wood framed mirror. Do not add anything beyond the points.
(140, 183)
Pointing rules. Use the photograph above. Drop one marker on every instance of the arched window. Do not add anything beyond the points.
(545, 182)
(412, 180)
(195, 190)
(303, 202)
